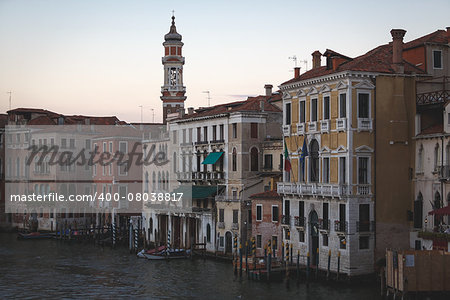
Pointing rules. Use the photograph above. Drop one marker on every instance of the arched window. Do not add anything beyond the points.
(174, 161)
(436, 156)
(146, 182)
(254, 159)
(418, 211)
(159, 181)
(234, 160)
(437, 205)
(167, 180)
(208, 233)
(420, 159)
(314, 161)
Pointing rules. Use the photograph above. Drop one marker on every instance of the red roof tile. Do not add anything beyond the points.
(41, 120)
(438, 128)
(252, 104)
(437, 37)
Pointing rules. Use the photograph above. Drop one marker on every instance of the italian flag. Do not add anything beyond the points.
(287, 162)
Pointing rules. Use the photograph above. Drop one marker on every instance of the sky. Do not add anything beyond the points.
(103, 58)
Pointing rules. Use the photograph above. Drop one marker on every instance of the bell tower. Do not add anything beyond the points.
(172, 92)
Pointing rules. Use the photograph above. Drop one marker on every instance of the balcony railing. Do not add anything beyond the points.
(221, 141)
(220, 225)
(235, 226)
(364, 124)
(325, 125)
(365, 226)
(201, 143)
(363, 189)
(324, 224)
(285, 220)
(340, 226)
(286, 130)
(341, 124)
(312, 126)
(301, 128)
(315, 189)
(222, 198)
(299, 221)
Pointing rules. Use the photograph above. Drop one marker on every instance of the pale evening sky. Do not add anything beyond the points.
(104, 57)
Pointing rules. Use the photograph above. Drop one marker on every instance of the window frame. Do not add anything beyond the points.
(287, 118)
(368, 168)
(345, 105)
(315, 100)
(327, 170)
(261, 213)
(278, 216)
(327, 95)
(302, 112)
(369, 108)
(433, 58)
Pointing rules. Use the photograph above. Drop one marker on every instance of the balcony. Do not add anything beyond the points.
(324, 224)
(444, 172)
(312, 126)
(220, 225)
(201, 143)
(286, 220)
(221, 141)
(222, 198)
(325, 125)
(315, 189)
(341, 124)
(299, 221)
(365, 226)
(340, 226)
(301, 128)
(235, 226)
(364, 124)
(286, 130)
(363, 189)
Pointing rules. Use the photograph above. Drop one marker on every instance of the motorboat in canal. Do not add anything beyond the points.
(35, 236)
(163, 252)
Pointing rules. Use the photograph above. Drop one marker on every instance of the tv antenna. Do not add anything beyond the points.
(294, 58)
(153, 115)
(209, 97)
(306, 64)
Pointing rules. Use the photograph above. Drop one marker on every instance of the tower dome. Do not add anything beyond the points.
(173, 35)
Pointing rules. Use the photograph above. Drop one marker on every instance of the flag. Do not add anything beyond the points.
(287, 162)
(303, 156)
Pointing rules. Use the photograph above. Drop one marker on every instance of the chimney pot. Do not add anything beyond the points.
(268, 88)
(296, 72)
(190, 110)
(397, 49)
(316, 59)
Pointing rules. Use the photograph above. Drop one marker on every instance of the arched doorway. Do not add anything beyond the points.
(313, 237)
(314, 161)
(228, 243)
(437, 205)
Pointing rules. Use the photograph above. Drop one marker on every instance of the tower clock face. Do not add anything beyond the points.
(173, 77)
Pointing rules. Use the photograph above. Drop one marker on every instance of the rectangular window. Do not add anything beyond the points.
(104, 146)
(221, 132)
(325, 214)
(254, 130)
(313, 110)
(326, 170)
(221, 215)
(363, 172)
(275, 213)
(363, 242)
(342, 170)
(199, 134)
(205, 133)
(234, 194)
(342, 105)
(221, 241)
(72, 143)
(258, 241)
(437, 59)
(63, 143)
(235, 216)
(326, 107)
(268, 161)
(364, 217)
(363, 105)
(342, 214)
(301, 236)
(287, 207)
(258, 212)
(302, 111)
(123, 147)
(110, 147)
(190, 135)
(235, 130)
(214, 132)
(184, 136)
(287, 119)
(301, 209)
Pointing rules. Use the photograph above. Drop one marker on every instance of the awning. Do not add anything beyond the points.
(212, 158)
(199, 191)
(444, 211)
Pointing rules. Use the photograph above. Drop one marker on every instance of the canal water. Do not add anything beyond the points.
(52, 269)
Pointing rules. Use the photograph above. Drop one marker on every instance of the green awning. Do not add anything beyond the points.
(212, 158)
(199, 191)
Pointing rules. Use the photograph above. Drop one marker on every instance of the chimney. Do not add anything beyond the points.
(181, 112)
(296, 72)
(261, 105)
(268, 88)
(190, 110)
(397, 49)
(316, 59)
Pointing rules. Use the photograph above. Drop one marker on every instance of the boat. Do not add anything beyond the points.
(151, 251)
(35, 235)
(168, 254)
